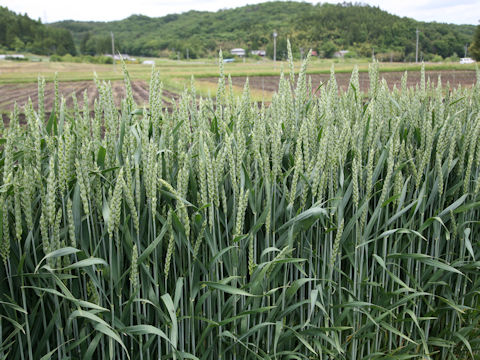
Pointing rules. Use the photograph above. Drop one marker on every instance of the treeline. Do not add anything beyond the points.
(22, 34)
(369, 30)
(326, 28)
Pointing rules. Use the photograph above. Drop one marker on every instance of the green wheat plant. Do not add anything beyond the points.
(323, 225)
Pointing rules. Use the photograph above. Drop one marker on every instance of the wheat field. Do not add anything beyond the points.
(326, 225)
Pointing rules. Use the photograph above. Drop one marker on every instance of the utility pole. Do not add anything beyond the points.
(275, 47)
(416, 48)
(466, 49)
(113, 49)
(187, 55)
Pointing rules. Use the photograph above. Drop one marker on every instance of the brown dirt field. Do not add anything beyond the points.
(454, 77)
(20, 93)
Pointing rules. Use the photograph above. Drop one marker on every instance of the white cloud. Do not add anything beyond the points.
(459, 11)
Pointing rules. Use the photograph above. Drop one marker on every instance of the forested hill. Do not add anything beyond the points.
(22, 34)
(323, 27)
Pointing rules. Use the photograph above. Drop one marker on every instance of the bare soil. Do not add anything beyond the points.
(466, 78)
(20, 93)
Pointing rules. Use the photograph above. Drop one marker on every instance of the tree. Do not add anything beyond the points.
(441, 47)
(83, 43)
(18, 45)
(328, 48)
(475, 47)
(282, 52)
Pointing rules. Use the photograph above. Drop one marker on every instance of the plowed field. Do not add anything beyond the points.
(20, 93)
(270, 83)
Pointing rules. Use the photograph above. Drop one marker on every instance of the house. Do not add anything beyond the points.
(340, 54)
(314, 53)
(238, 52)
(258, 52)
(148, 62)
(12, 56)
(466, 60)
(124, 57)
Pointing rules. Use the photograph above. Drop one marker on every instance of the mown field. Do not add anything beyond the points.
(327, 225)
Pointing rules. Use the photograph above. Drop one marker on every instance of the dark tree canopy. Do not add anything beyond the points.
(20, 33)
(475, 47)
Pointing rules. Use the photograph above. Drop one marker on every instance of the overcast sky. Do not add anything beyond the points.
(450, 11)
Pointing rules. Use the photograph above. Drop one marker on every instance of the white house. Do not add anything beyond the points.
(238, 52)
(12, 56)
(258, 52)
(466, 60)
(119, 57)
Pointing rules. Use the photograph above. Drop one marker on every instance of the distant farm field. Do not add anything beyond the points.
(453, 77)
(20, 93)
(18, 80)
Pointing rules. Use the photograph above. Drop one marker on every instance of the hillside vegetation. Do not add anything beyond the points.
(322, 27)
(22, 34)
